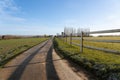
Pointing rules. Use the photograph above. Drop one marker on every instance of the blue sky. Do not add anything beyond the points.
(37, 17)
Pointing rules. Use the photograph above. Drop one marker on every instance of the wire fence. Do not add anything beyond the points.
(82, 45)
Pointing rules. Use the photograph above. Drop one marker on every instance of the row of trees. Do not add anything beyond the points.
(68, 31)
(17, 37)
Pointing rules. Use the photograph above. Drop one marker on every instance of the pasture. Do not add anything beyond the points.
(12, 47)
(112, 43)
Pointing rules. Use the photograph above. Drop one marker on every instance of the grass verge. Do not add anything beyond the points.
(104, 66)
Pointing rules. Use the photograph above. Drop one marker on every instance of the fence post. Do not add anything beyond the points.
(66, 37)
(81, 42)
(71, 39)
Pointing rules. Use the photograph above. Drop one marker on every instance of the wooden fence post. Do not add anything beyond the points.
(81, 42)
(66, 37)
(71, 39)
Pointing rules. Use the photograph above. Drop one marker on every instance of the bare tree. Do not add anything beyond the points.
(76, 32)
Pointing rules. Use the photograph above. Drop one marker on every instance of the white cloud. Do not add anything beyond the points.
(7, 10)
(7, 6)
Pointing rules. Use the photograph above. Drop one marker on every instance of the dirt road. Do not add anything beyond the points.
(40, 63)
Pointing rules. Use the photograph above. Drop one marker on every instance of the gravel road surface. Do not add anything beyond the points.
(41, 63)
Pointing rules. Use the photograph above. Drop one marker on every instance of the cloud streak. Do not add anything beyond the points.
(8, 9)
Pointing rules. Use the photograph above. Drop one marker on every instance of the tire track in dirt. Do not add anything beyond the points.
(40, 63)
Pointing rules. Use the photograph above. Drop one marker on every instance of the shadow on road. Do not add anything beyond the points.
(50, 69)
(16, 75)
(33, 63)
(51, 73)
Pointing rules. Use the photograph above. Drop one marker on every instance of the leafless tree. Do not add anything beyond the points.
(76, 32)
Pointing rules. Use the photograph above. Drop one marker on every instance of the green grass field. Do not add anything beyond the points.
(113, 46)
(102, 63)
(12, 47)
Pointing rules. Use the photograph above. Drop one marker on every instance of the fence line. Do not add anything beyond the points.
(75, 44)
(92, 40)
(100, 49)
(108, 41)
(96, 48)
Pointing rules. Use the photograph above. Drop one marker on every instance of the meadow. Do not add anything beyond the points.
(12, 47)
(91, 41)
(104, 65)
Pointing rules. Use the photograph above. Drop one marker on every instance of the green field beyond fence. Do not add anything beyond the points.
(111, 43)
(12, 47)
(104, 64)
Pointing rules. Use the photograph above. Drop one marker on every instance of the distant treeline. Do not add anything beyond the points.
(71, 31)
(18, 37)
(9, 37)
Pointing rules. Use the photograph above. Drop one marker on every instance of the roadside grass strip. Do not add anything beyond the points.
(103, 65)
